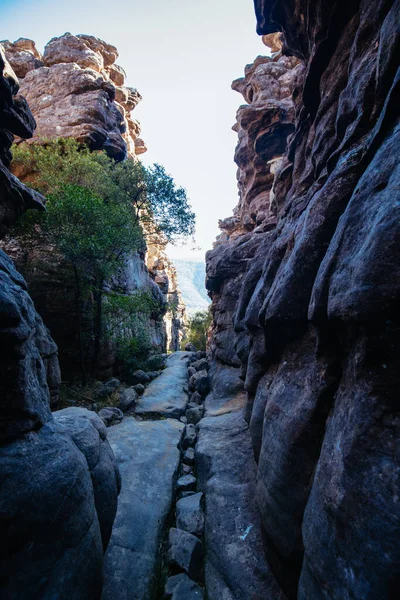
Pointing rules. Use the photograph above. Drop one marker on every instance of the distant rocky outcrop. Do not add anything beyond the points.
(305, 287)
(163, 272)
(58, 479)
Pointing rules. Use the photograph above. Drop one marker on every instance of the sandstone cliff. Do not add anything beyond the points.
(77, 90)
(305, 287)
(58, 478)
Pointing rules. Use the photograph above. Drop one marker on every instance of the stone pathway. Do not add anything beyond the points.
(148, 456)
(161, 531)
(166, 395)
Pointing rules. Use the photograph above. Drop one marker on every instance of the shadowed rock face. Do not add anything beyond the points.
(58, 480)
(76, 90)
(314, 305)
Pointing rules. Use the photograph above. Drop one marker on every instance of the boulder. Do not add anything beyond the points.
(88, 432)
(200, 383)
(111, 415)
(188, 457)
(200, 365)
(187, 483)
(190, 348)
(180, 587)
(107, 388)
(138, 376)
(139, 388)
(196, 398)
(190, 515)
(185, 553)
(194, 414)
(127, 398)
(186, 469)
(189, 437)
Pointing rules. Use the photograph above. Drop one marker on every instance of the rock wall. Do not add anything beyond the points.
(164, 274)
(77, 90)
(305, 284)
(58, 479)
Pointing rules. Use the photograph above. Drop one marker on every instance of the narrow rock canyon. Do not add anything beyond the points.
(267, 467)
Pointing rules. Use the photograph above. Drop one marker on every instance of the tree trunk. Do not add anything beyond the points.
(78, 298)
(98, 328)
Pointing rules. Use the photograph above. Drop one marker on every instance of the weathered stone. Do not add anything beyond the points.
(88, 432)
(189, 437)
(199, 382)
(191, 371)
(200, 365)
(148, 457)
(180, 587)
(190, 348)
(185, 553)
(165, 395)
(194, 414)
(196, 398)
(186, 469)
(187, 483)
(188, 457)
(304, 282)
(111, 415)
(127, 398)
(139, 388)
(107, 388)
(190, 515)
(233, 535)
(138, 376)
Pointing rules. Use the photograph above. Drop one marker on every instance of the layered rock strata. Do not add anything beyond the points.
(314, 300)
(77, 90)
(58, 479)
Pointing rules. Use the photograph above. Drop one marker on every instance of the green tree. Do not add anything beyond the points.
(98, 212)
(197, 329)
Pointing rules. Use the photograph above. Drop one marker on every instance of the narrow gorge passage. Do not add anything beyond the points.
(147, 453)
(149, 447)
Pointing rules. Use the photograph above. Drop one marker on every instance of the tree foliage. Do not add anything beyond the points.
(197, 329)
(98, 212)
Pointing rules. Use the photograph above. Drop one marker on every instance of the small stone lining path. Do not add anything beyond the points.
(156, 548)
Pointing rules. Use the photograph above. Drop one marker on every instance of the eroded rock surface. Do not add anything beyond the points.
(77, 90)
(235, 565)
(304, 282)
(165, 396)
(148, 458)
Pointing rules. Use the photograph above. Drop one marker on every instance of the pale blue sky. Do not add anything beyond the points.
(182, 55)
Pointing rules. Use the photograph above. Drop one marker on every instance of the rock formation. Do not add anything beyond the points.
(164, 274)
(92, 105)
(58, 479)
(305, 283)
(76, 90)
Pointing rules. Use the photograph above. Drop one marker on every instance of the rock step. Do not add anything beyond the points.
(148, 457)
(166, 395)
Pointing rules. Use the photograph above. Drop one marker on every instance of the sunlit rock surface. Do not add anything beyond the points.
(77, 90)
(305, 284)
